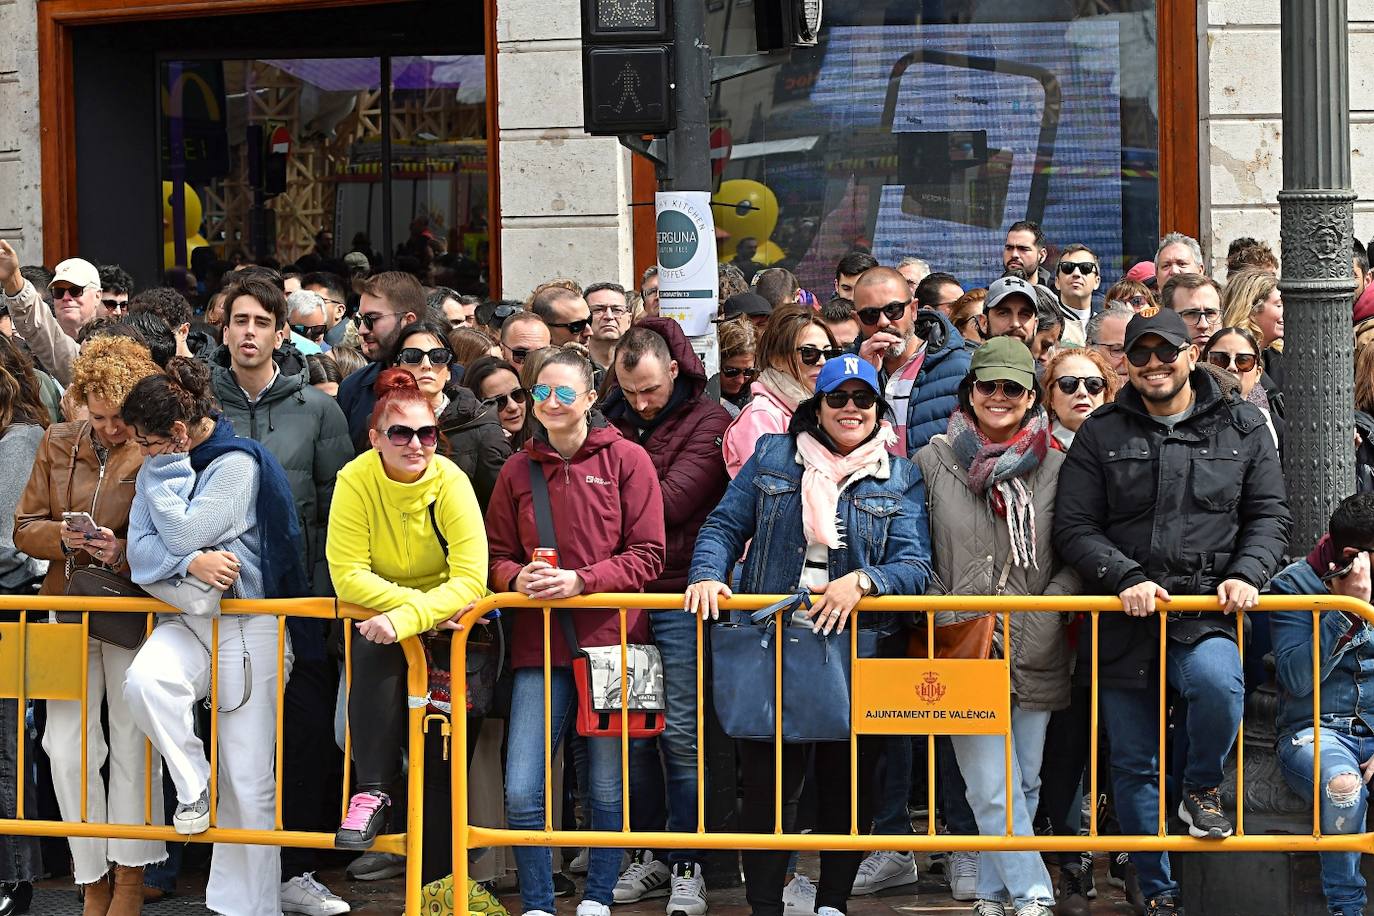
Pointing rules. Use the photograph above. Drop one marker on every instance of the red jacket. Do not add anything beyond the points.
(608, 515)
(685, 447)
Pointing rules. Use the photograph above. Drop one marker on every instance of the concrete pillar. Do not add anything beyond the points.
(20, 203)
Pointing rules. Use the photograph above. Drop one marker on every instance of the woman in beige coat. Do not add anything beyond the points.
(990, 489)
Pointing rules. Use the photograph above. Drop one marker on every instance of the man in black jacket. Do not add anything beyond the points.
(1173, 489)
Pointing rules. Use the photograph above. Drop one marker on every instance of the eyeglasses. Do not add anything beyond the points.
(1192, 316)
(811, 355)
(1243, 362)
(649, 292)
(399, 435)
(893, 310)
(1093, 384)
(1012, 390)
(501, 401)
(114, 305)
(1168, 355)
(310, 331)
(565, 394)
(412, 356)
(367, 321)
(749, 372)
(518, 354)
(615, 311)
(863, 399)
(64, 292)
(573, 327)
(1086, 268)
(1135, 302)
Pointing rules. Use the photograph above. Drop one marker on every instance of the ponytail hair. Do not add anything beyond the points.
(396, 388)
(182, 393)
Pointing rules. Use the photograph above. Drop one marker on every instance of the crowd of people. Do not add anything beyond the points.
(379, 438)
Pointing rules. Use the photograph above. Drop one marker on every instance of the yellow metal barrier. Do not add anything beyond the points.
(468, 836)
(39, 660)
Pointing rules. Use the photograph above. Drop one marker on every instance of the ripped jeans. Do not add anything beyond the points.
(1342, 811)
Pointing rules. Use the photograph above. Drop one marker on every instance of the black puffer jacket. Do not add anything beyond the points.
(474, 441)
(1185, 509)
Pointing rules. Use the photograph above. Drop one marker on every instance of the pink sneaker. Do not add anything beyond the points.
(366, 817)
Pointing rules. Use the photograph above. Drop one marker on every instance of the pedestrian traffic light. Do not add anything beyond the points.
(627, 67)
(780, 24)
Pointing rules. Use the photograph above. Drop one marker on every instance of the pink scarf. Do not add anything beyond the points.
(824, 472)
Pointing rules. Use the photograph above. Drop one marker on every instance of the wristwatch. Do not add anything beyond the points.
(865, 583)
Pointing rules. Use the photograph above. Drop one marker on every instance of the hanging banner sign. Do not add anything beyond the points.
(688, 290)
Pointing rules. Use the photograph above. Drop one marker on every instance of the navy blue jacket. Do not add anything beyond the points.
(936, 392)
(356, 399)
(883, 523)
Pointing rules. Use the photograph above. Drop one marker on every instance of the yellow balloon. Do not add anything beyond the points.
(746, 209)
(192, 216)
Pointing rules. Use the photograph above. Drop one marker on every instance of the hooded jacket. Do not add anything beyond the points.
(608, 515)
(473, 440)
(305, 431)
(1185, 508)
(685, 447)
(936, 392)
(766, 414)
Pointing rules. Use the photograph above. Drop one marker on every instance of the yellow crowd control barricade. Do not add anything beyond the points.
(47, 661)
(905, 696)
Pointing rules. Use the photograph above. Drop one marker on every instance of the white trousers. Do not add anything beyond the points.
(123, 803)
(172, 673)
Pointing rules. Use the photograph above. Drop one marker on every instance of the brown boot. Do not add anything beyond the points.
(96, 897)
(128, 892)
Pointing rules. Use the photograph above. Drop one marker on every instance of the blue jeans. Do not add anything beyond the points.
(892, 817)
(1341, 754)
(1016, 877)
(1207, 674)
(525, 797)
(675, 633)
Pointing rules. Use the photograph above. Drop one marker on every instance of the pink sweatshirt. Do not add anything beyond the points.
(765, 413)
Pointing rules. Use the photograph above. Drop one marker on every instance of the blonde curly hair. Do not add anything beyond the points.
(108, 368)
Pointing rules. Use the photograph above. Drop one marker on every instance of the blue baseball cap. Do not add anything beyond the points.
(848, 367)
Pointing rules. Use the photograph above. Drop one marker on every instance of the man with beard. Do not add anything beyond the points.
(1024, 250)
(1011, 309)
(390, 301)
(1177, 490)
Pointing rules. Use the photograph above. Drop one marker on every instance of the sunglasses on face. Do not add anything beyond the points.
(1086, 268)
(518, 354)
(114, 305)
(573, 327)
(310, 331)
(1134, 302)
(863, 399)
(63, 292)
(1168, 355)
(399, 435)
(749, 372)
(1243, 362)
(893, 310)
(565, 395)
(368, 320)
(412, 356)
(811, 355)
(1093, 384)
(1012, 390)
(501, 401)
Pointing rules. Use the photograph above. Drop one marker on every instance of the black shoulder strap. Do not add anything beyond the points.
(443, 542)
(543, 520)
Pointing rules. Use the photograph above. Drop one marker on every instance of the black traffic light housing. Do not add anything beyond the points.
(780, 24)
(627, 67)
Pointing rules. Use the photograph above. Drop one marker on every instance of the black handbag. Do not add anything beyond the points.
(125, 630)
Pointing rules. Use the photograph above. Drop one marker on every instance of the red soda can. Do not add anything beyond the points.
(548, 554)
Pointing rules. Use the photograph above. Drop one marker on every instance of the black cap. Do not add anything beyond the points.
(1166, 323)
(746, 304)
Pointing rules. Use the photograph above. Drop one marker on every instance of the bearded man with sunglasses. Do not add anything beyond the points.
(1176, 490)
(390, 301)
(919, 356)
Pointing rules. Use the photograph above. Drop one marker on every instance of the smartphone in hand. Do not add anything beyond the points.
(81, 521)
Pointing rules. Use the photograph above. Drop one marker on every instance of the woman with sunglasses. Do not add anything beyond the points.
(818, 504)
(738, 341)
(1235, 350)
(964, 313)
(990, 487)
(1079, 380)
(792, 351)
(405, 540)
(472, 435)
(497, 384)
(217, 507)
(607, 514)
(1251, 300)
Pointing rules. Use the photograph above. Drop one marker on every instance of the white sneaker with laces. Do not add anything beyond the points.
(303, 894)
(591, 908)
(828, 911)
(963, 875)
(688, 897)
(646, 877)
(799, 897)
(1035, 908)
(881, 870)
(989, 908)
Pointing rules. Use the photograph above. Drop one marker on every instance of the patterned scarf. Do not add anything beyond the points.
(996, 471)
(824, 472)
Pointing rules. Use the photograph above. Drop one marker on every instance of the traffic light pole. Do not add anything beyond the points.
(689, 144)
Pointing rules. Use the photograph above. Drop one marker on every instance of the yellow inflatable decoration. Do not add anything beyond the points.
(746, 209)
(193, 215)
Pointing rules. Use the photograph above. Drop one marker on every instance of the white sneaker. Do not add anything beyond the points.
(646, 877)
(591, 908)
(1035, 908)
(303, 894)
(881, 870)
(987, 908)
(963, 877)
(828, 911)
(688, 897)
(799, 897)
(578, 866)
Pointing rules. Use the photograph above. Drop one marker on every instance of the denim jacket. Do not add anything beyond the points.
(882, 521)
(1347, 665)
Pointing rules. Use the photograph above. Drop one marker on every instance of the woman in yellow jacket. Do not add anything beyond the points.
(406, 539)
